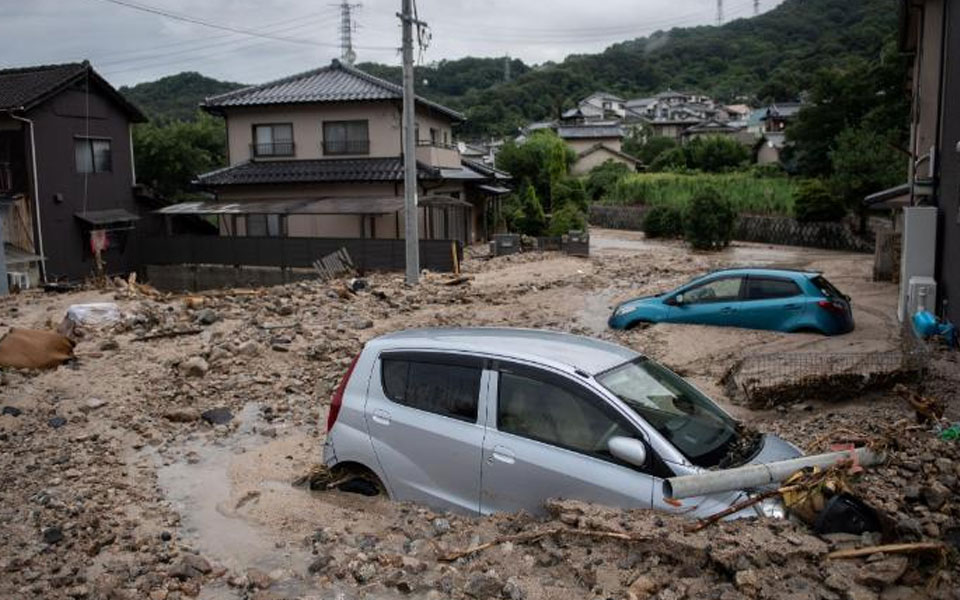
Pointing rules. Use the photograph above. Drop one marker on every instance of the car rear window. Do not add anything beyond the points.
(765, 288)
(826, 288)
(450, 390)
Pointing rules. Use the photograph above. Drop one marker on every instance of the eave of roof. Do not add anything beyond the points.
(601, 146)
(376, 89)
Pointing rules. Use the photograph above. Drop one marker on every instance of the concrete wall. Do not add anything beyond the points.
(383, 126)
(181, 278)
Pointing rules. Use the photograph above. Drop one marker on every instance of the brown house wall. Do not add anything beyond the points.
(57, 122)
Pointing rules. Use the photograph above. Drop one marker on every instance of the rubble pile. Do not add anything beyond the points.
(245, 375)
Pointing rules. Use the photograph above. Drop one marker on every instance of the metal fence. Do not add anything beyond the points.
(367, 254)
(767, 380)
(629, 218)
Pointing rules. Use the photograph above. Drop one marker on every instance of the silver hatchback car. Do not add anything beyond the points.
(487, 420)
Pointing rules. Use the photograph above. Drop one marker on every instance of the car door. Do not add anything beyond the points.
(713, 302)
(771, 303)
(422, 415)
(546, 438)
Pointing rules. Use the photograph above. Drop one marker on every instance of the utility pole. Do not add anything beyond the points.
(347, 55)
(719, 12)
(506, 68)
(756, 7)
(411, 215)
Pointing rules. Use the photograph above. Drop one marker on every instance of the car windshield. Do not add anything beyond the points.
(685, 417)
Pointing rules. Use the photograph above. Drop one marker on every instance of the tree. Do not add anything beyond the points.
(864, 162)
(674, 159)
(602, 178)
(709, 221)
(568, 218)
(652, 148)
(529, 218)
(170, 156)
(813, 202)
(542, 160)
(570, 190)
(715, 153)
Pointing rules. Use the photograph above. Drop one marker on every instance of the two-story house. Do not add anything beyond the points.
(320, 154)
(67, 172)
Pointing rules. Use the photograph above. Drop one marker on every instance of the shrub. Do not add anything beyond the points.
(570, 190)
(709, 221)
(663, 222)
(530, 218)
(812, 201)
(568, 218)
(603, 177)
(715, 154)
(670, 160)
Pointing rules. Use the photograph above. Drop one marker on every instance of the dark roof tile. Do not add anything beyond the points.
(307, 171)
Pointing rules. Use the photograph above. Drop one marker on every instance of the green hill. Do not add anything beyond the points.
(773, 56)
(175, 97)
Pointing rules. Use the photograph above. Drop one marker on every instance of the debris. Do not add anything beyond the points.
(94, 404)
(56, 422)
(182, 415)
(52, 535)
(34, 349)
(207, 316)
(334, 264)
(94, 315)
(459, 280)
(195, 366)
(13, 411)
(167, 334)
(533, 536)
(928, 410)
(917, 547)
(357, 284)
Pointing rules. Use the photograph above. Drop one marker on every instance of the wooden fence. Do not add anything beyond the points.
(366, 254)
(749, 228)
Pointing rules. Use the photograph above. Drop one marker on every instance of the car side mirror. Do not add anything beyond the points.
(678, 299)
(629, 450)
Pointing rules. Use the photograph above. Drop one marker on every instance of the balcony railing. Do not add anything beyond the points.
(346, 147)
(438, 154)
(272, 149)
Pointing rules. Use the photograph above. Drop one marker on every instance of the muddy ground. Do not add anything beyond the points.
(116, 483)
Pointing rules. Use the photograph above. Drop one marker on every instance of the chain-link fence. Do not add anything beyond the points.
(764, 381)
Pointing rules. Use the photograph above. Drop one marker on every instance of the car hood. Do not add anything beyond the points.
(774, 448)
(641, 300)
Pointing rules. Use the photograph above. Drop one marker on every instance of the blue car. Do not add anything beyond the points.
(777, 299)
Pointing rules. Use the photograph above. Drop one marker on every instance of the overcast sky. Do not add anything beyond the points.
(128, 46)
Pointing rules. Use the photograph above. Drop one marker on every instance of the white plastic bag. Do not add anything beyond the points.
(96, 314)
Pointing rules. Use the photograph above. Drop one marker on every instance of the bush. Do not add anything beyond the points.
(602, 178)
(570, 190)
(715, 154)
(568, 218)
(663, 222)
(529, 218)
(812, 201)
(670, 160)
(709, 221)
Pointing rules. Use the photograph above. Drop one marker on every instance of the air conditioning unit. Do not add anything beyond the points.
(18, 280)
(921, 295)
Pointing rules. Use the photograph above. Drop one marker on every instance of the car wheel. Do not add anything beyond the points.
(353, 478)
(638, 324)
(808, 330)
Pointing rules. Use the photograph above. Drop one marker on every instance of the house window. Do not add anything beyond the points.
(434, 136)
(263, 225)
(92, 155)
(346, 137)
(275, 139)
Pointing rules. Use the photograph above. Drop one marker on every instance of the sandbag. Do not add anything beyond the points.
(34, 349)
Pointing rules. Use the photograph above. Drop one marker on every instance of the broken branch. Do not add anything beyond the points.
(167, 334)
(888, 549)
(535, 535)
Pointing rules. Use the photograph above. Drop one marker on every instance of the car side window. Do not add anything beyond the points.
(545, 409)
(724, 289)
(449, 390)
(766, 288)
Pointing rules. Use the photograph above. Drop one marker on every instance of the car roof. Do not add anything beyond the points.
(763, 271)
(561, 350)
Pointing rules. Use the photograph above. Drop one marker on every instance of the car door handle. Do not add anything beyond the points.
(726, 310)
(502, 454)
(792, 307)
(381, 417)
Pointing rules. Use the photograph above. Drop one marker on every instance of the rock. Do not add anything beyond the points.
(57, 422)
(320, 563)
(484, 585)
(911, 493)
(440, 526)
(217, 416)
(258, 579)
(197, 562)
(944, 465)
(930, 529)
(207, 316)
(109, 344)
(512, 590)
(52, 535)
(747, 580)
(94, 403)
(280, 348)
(269, 432)
(165, 536)
(249, 348)
(365, 572)
(899, 592)
(182, 415)
(908, 526)
(194, 366)
(643, 587)
(189, 567)
(362, 324)
(935, 495)
(13, 411)
(883, 572)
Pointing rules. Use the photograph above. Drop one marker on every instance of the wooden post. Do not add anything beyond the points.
(456, 258)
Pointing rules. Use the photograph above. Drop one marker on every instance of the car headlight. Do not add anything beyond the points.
(772, 508)
(622, 310)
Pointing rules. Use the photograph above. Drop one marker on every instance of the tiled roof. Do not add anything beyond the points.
(25, 87)
(307, 171)
(590, 131)
(334, 83)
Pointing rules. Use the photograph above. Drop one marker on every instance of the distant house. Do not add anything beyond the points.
(712, 127)
(778, 116)
(595, 143)
(67, 169)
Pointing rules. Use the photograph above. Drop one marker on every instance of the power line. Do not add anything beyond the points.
(197, 21)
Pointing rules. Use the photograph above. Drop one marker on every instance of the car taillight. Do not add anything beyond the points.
(834, 307)
(337, 399)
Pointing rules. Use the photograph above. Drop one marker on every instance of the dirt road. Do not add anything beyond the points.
(139, 495)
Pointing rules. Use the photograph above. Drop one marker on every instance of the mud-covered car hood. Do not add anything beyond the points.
(774, 448)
